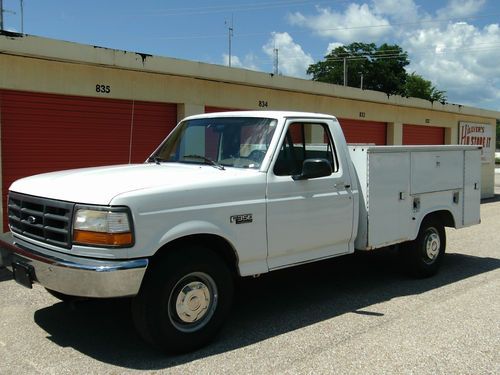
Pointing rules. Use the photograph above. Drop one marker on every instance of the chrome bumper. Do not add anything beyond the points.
(71, 275)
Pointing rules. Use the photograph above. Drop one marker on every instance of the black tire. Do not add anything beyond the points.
(184, 300)
(61, 296)
(425, 254)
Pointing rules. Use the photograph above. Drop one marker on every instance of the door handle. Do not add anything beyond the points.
(341, 184)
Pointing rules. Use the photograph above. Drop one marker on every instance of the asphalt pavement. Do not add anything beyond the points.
(351, 315)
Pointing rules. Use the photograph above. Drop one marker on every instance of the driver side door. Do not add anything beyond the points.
(313, 218)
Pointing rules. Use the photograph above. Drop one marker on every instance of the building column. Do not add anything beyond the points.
(188, 109)
(394, 133)
(451, 136)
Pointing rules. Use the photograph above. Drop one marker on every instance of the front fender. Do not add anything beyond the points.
(194, 227)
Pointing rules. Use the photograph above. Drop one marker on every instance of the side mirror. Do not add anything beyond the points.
(314, 168)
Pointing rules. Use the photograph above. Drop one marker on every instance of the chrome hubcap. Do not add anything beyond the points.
(432, 245)
(192, 302)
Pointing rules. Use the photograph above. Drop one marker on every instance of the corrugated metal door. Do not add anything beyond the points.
(47, 132)
(358, 131)
(422, 135)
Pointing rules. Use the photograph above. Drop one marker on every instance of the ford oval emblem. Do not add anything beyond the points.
(31, 219)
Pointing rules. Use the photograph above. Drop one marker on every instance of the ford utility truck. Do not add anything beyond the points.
(230, 195)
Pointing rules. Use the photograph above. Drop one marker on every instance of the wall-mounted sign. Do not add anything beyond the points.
(479, 135)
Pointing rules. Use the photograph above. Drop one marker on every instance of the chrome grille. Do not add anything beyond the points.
(41, 219)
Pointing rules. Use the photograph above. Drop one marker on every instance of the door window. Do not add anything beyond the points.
(305, 141)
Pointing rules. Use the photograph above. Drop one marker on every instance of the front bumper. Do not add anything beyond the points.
(71, 275)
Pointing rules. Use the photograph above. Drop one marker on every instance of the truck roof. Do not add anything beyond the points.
(265, 114)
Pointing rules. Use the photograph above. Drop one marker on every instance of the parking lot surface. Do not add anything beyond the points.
(351, 315)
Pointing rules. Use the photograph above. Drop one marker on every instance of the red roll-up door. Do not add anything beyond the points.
(47, 132)
(422, 135)
(358, 131)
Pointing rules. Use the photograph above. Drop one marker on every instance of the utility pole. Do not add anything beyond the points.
(361, 80)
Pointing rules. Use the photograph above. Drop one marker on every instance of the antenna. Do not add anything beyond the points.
(230, 36)
(1, 15)
(2, 11)
(276, 61)
(22, 16)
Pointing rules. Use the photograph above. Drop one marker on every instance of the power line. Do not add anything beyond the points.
(439, 20)
(235, 8)
(243, 35)
(419, 52)
(447, 50)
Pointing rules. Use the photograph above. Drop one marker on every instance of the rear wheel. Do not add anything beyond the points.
(184, 301)
(425, 254)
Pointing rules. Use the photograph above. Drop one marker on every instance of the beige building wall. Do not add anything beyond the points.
(44, 65)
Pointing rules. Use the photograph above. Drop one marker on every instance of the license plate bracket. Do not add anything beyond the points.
(23, 274)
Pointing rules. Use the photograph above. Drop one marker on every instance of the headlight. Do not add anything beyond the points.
(108, 227)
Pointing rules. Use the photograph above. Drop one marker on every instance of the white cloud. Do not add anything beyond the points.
(293, 61)
(460, 59)
(402, 10)
(247, 63)
(460, 8)
(357, 22)
(332, 46)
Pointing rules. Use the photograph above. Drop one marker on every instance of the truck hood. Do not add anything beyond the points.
(100, 185)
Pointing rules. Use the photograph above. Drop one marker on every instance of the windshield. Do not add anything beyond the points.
(239, 142)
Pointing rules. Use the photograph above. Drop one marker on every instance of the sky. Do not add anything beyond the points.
(453, 43)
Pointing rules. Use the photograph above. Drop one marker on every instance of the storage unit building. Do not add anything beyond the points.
(66, 105)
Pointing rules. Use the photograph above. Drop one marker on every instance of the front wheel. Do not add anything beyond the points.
(425, 254)
(184, 301)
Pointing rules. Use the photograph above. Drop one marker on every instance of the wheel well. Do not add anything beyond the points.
(443, 216)
(217, 244)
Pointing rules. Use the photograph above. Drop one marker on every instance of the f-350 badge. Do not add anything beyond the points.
(241, 219)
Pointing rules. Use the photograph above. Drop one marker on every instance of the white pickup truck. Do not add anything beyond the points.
(230, 195)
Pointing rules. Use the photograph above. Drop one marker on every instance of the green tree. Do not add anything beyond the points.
(387, 71)
(381, 69)
(332, 69)
(418, 87)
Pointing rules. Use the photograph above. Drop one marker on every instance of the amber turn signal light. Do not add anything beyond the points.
(84, 237)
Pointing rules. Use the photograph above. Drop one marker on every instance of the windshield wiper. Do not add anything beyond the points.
(206, 160)
(155, 159)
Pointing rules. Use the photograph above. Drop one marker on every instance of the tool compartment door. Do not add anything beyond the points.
(388, 198)
(433, 171)
(472, 187)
